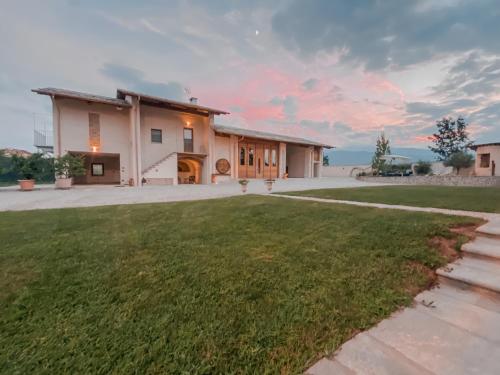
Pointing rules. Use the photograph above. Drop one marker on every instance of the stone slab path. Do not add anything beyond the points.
(45, 196)
(453, 328)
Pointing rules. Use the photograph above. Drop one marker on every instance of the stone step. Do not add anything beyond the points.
(477, 272)
(484, 247)
(472, 318)
(466, 293)
(436, 345)
(491, 228)
(367, 355)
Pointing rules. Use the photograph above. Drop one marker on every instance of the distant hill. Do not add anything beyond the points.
(360, 157)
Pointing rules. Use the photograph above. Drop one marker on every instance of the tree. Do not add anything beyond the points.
(451, 137)
(326, 160)
(381, 149)
(35, 166)
(459, 160)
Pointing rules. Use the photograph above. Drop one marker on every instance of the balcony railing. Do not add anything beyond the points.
(43, 138)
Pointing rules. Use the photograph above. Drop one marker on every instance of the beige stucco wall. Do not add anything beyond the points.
(167, 169)
(74, 130)
(494, 152)
(172, 125)
(296, 160)
(222, 148)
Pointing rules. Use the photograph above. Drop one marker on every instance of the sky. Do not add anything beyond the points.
(336, 71)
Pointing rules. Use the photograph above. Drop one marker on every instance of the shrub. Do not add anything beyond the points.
(68, 166)
(459, 160)
(423, 168)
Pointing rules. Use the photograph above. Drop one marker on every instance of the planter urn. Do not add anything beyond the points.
(64, 183)
(269, 185)
(244, 188)
(26, 185)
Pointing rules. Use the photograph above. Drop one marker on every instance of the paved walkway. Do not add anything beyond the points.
(452, 329)
(45, 196)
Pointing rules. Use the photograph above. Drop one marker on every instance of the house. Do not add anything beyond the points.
(15, 151)
(138, 139)
(487, 159)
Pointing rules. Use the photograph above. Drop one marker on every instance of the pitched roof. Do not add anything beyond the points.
(474, 147)
(268, 136)
(62, 93)
(122, 93)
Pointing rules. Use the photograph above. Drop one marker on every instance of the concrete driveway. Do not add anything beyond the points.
(45, 196)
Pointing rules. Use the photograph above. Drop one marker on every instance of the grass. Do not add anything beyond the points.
(240, 285)
(482, 199)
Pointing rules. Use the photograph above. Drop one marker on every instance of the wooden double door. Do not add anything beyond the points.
(257, 160)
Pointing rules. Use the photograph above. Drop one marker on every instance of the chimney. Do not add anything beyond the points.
(193, 100)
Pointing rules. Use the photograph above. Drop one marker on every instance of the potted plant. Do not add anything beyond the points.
(26, 168)
(244, 185)
(67, 167)
(269, 184)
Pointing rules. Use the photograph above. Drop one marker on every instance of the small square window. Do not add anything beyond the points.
(484, 160)
(156, 136)
(97, 169)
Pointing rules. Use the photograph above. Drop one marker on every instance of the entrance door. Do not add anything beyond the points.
(259, 160)
(242, 157)
(267, 161)
(251, 160)
(274, 162)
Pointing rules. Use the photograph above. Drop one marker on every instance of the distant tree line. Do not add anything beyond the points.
(451, 144)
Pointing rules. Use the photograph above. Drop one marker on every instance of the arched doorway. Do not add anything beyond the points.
(188, 171)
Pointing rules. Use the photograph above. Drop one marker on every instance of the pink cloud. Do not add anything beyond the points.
(254, 89)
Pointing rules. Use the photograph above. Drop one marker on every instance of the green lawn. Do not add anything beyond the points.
(482, 199)
(248, 284)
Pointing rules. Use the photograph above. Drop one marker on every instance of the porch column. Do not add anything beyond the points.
(320, 165)
(309, 167)
(233, 155)
(209, 160)
(282, 160)
(56, 127)
(135, 140)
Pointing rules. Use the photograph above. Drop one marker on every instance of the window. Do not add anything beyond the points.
(94, 131)
(156, 136)
(97, 169)
(250, 156)
(266, 157)
(188, 140)
(273, 157)
(485, 160)
(242, 155)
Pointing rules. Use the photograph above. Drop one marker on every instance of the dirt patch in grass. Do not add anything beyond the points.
(450, 246)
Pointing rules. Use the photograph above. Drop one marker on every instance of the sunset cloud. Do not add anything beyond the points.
(331, 70)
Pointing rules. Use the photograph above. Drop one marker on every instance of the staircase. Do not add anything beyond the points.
(480, 266)
(451, 329)
(151, 167)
